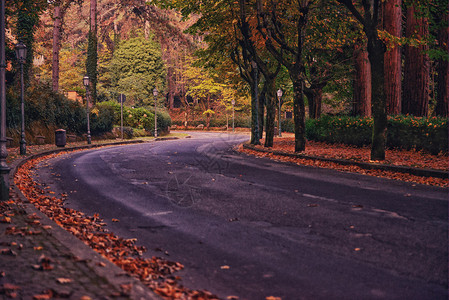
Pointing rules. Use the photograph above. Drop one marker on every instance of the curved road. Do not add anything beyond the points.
(254, 228)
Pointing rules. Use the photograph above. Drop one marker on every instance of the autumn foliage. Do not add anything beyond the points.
(155, 272)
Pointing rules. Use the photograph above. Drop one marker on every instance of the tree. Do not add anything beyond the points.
(286, 43)
(60, 8)
(362, 81)
(368, 16)
(136, 68)
(415, 100)
(392, 24)
(443, 66)
(202, 86)
(330, 35)
(27, 13)
(92, 51)
(267, 66)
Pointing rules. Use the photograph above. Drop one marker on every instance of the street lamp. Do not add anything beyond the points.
(279, 93)
(86, 82)
(233, 114)
(155, 111)
(21, 53)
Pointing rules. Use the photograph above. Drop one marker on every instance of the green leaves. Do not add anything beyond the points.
(137, 68)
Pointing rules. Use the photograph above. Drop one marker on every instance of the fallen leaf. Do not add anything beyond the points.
(64, 280)
(115, 220)
(101, 264)
(272, 298)
(5, 220)
(225, 267)
(8, 252)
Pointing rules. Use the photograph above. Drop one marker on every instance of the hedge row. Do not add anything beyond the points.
(239, 121)
(140, 117)
(51, 109)
(406, 132)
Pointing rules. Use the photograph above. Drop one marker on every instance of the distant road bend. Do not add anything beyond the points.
(254, 228)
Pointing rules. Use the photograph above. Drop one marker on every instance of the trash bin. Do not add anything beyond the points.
(60, 137)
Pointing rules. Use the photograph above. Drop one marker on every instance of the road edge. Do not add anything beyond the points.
(101, 266)
(364, 165)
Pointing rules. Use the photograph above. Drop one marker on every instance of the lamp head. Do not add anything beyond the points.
(86, 81)
(279, 93)
(21, 51)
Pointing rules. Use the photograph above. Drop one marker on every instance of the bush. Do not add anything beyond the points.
(47, 108)
(139, 118)
(102, 120)
(340, 129)
(407, 132)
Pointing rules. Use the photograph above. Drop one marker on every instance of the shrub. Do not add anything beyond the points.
(407, 132)
(48, 108)
(139, 118)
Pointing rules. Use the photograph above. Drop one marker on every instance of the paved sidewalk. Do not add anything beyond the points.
(40, 260)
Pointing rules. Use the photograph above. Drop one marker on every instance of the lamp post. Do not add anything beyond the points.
(86, 82)
(279, 93)
(4, 169)
(21, 53)
(233, 114)
(155, 92)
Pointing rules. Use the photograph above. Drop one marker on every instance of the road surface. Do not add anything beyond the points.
(254, 228)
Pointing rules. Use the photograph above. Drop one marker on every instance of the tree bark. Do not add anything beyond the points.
(56, 46)
(271, 111)
(443, 74)
(392, 17)
(314, 96)
(93, 16)
(299, 112)
(261, 111)
(415, 99)
(376, 56)
(362, 82)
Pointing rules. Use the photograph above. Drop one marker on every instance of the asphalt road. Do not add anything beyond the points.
(254, 228)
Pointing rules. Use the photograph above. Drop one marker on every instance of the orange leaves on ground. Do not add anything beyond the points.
(156, 273)
(408, 158)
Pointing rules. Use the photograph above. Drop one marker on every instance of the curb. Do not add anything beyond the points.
(363, 165)
(108, 271)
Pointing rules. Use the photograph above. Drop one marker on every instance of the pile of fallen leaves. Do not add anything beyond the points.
(397, 157)
(156, 273)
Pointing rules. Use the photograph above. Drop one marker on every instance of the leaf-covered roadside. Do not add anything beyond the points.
(410, 158)
(157, 273)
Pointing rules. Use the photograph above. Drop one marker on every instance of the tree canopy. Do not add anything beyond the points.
(137, 68)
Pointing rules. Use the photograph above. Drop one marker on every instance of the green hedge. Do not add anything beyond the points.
(139, 118)
(220, 121)
(406, 132)
(48, 108)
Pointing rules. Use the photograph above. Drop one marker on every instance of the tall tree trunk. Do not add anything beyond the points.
(362, 82)
(271, 111)
(376, 56)
(443, 74)
(415, 99)
(255, 127)
(56, 46)
(93, 15)
(299, 112)
(92, 53)
(314, 96)
(392, 17)
(261, 110)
